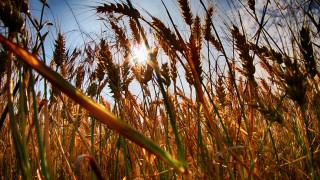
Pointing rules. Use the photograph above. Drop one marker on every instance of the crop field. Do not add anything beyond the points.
(208, 89)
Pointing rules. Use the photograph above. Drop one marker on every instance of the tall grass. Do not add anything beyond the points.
(221, 97)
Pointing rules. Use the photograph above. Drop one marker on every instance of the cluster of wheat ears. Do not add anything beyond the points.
(215, 101)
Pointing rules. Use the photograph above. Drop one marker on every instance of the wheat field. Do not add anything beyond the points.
(224, 93)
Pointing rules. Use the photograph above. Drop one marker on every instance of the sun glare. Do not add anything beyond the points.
(139, 54)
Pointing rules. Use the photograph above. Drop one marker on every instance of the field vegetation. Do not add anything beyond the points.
(226, 93)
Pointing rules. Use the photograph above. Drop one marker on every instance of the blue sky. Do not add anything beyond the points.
(63, 16)
(77, 19)
(60, 14)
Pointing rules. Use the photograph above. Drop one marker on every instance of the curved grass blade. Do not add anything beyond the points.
(95, 109)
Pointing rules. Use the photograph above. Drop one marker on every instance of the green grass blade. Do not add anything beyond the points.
(43, 163)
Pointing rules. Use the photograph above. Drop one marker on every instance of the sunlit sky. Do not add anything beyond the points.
(78, 21)
(75, 16)
(66, 13)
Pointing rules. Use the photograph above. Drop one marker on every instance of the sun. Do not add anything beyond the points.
(140, 54)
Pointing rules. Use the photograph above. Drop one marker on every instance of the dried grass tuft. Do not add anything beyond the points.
(59, 54)
(118, 8)
(186, 11)
(307, 52)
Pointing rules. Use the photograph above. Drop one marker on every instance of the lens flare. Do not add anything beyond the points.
(139, 54)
